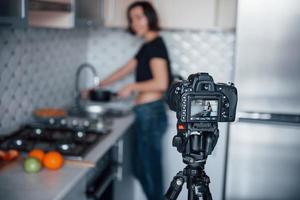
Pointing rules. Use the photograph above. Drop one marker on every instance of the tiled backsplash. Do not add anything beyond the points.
(190, 51)
(203, 51)
(37, 66)
(37, 69)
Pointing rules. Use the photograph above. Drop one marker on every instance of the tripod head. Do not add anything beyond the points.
(195, 141)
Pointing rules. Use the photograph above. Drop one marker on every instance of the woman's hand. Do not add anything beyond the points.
(104, 83)
(126, 91)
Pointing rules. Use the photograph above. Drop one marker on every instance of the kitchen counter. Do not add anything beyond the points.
(54, 185)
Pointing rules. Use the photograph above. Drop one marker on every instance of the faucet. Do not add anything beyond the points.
(78, 72)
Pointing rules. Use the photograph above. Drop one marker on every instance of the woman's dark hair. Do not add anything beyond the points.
(149, 12)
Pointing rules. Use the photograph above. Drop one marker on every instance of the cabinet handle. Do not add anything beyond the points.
(23, 9)
(120, 156)
(112, 6)
(269, 118)
(96, 188)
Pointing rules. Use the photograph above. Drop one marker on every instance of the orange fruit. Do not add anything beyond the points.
(9, 155)
(37, 153)
(2, 154)
(53, 160)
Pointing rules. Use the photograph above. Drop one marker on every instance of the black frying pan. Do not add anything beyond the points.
(101, 95)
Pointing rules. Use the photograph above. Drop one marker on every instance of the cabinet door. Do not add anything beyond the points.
(226, 14)
(52, 13)
(13, 13)
(115, 12)
(178, 14)
(188, 14)
(89, 12)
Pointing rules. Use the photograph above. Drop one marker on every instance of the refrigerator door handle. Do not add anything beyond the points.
(269, 118)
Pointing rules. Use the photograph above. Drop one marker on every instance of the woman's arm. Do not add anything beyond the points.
(128, 68)
(159, 82)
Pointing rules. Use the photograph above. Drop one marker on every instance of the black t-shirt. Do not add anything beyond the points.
(153, 49)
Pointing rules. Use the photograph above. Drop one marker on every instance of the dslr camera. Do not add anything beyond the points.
(199, 104)
(199, 99)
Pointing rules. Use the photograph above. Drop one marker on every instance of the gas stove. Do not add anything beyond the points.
(73, 122)
(73, 144)
(77, 120)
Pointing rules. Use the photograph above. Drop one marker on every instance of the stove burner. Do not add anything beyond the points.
(80, 134)
(20, 144)
(70, 149)
(71, 143)
(37, 134)
(65, 147)
(80, 123)
(38, 131)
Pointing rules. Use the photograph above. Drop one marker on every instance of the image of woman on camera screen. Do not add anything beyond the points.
(209, 109)
(151, 66)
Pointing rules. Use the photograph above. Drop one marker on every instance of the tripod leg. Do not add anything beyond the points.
(201, 189)
(198, 187)
(195, 194)
(175, 187)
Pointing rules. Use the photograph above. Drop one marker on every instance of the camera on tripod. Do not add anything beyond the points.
(199, 99)
(199, 104)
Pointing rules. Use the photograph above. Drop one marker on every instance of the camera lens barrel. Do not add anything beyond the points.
(173, 96)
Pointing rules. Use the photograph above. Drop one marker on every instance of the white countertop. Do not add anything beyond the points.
(54, 185)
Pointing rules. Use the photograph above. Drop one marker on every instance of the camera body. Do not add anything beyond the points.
(200, 100)
(200, 104)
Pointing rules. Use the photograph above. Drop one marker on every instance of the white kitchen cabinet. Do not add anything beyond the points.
(115, 12)
(178, 14)
(187, 14)
(226, 14)
(89, 12)
(51, 13)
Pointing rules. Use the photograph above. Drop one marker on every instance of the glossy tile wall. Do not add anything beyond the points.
(190, 51)
(37, 66)
(37, 69)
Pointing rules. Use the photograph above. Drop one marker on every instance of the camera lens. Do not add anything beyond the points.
(173, 96)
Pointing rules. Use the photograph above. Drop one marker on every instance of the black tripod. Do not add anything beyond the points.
(195, 147)
(197, 184)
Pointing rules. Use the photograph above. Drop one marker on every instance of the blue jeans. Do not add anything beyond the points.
(149, 127)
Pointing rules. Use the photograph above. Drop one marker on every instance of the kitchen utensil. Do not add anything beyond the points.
(91, 110)
(101, 95)
(49, 115)
(50, 112)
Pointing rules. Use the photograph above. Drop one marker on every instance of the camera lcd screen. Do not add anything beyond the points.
(204, 109)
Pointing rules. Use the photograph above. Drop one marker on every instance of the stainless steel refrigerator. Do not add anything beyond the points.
(264, 144)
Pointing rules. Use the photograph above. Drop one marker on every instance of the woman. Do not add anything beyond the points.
(209, 109)
(151, 66)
